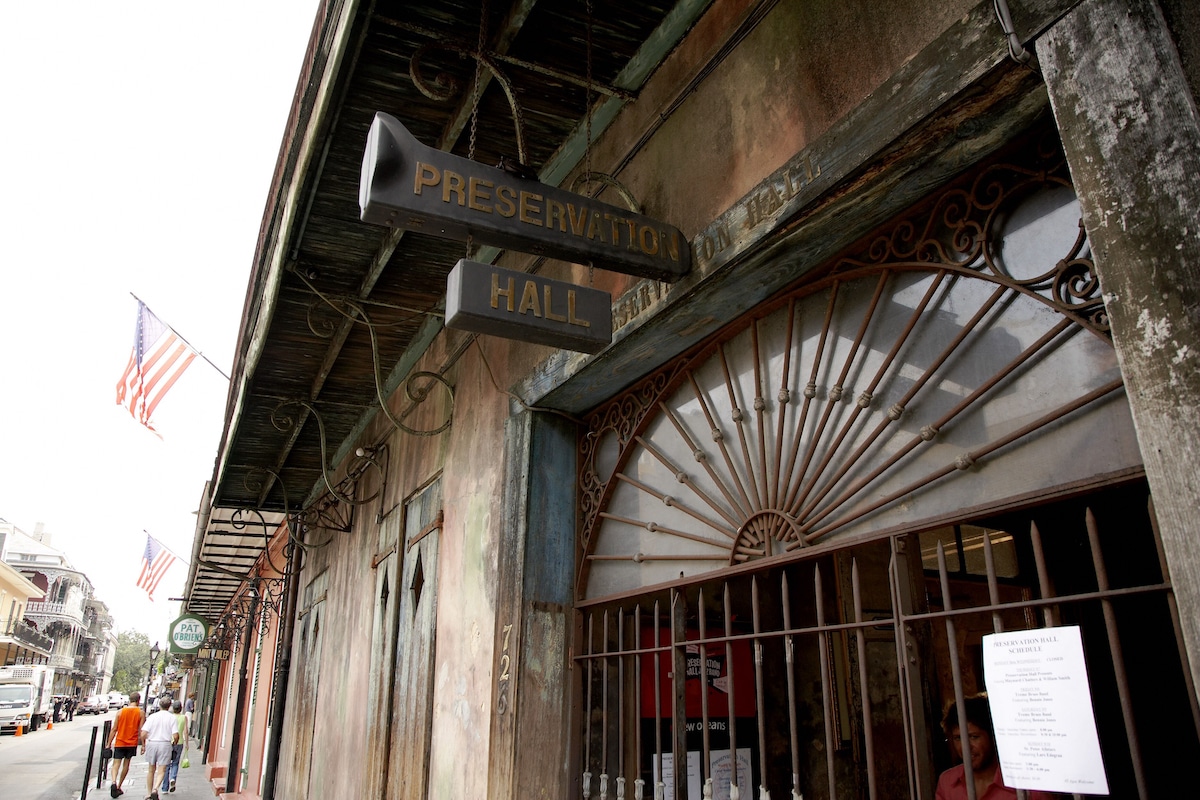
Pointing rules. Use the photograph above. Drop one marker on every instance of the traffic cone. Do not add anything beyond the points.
(20, 729)
(49, 724)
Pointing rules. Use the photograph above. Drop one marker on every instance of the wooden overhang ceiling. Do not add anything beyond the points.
(232, 544)
(293, 346)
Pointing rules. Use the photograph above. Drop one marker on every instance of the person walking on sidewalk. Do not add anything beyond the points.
(189, 709)
(124, 742)
(159, 732)
(168, 781)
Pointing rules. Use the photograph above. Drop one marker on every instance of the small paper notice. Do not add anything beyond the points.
(1041, 705)
(721, 772)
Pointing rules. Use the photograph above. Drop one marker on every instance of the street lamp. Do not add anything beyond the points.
(154, 651)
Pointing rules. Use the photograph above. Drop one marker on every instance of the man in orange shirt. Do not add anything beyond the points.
(124, 742)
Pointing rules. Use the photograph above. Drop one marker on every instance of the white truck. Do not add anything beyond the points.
(25, 696)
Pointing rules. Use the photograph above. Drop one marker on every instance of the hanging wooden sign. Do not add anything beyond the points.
(409, 185)
(482, 298)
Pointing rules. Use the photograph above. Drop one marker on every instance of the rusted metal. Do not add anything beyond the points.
(620, 699)
(731, 674)
(705, 751)
(638, 783)
(826, 682)
(587, 735)
(783, 397)
(968, 459)
(956, 673)
(658, 718)
(864, 693)
(759, 688)
(815, 471)
(604, 726)
(538, 69)
(789, 657)
(1114, 646)
(679, 698)
(795, 497)
(807, 469)
(777, 635)
(810, 392)
(905, 662)
(864, 402)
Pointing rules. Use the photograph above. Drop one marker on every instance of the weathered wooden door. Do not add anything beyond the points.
(387, 561)
(412, 698)
(308, 676)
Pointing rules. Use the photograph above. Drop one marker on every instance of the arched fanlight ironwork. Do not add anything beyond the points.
(968, 334)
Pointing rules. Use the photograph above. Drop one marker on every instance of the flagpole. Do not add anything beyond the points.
(220, 371)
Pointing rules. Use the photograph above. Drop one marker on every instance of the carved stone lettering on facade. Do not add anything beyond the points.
(636, 302)
(757, 209)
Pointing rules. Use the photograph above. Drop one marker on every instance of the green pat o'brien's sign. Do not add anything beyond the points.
(188, 633)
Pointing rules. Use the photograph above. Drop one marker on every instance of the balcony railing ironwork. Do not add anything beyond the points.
(21, 631)
(62, 662)
(38, 608)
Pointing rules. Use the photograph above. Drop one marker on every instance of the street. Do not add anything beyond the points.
(49, 764)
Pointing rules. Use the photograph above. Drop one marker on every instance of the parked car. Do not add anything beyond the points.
(93, 704)
(117, 700)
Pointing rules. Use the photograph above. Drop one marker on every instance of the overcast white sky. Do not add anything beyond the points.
(136, 150)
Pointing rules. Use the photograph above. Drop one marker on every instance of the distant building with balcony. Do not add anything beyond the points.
(20, 642)
(99, 647)
(78, 626)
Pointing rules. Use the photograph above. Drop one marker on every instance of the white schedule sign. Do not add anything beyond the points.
(721, 771)
(1041, 705)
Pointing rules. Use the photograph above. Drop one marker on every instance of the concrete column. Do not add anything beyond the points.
(1129, 127)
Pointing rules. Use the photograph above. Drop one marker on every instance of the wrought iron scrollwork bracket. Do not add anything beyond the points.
(416, 394)
(287, 423)
(443, 87)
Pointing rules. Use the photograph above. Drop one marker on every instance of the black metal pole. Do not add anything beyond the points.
(101, 771)
(283, 666)
(87, 772)
(212, 682)
(146, 696)
(234, 773)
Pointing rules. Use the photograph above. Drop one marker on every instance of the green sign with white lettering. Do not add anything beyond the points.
(187, 634)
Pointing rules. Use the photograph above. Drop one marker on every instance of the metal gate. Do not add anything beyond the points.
(794, 537)
(828, 676)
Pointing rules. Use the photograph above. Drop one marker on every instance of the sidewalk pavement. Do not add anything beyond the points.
(190, 785)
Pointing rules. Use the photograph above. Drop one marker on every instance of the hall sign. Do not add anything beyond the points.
(483, 298)
(188, 633)
(409, 185)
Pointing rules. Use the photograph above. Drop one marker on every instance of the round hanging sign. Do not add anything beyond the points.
(188, 633)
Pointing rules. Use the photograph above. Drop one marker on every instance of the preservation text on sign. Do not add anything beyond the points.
(409, 185)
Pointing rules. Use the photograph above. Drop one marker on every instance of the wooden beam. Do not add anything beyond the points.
(1132, 137)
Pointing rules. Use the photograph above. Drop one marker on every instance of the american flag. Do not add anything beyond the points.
(156, 560)
(159, 357)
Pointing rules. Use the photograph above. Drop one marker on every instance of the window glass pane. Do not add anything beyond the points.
(1004, 551)
(929, 543)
